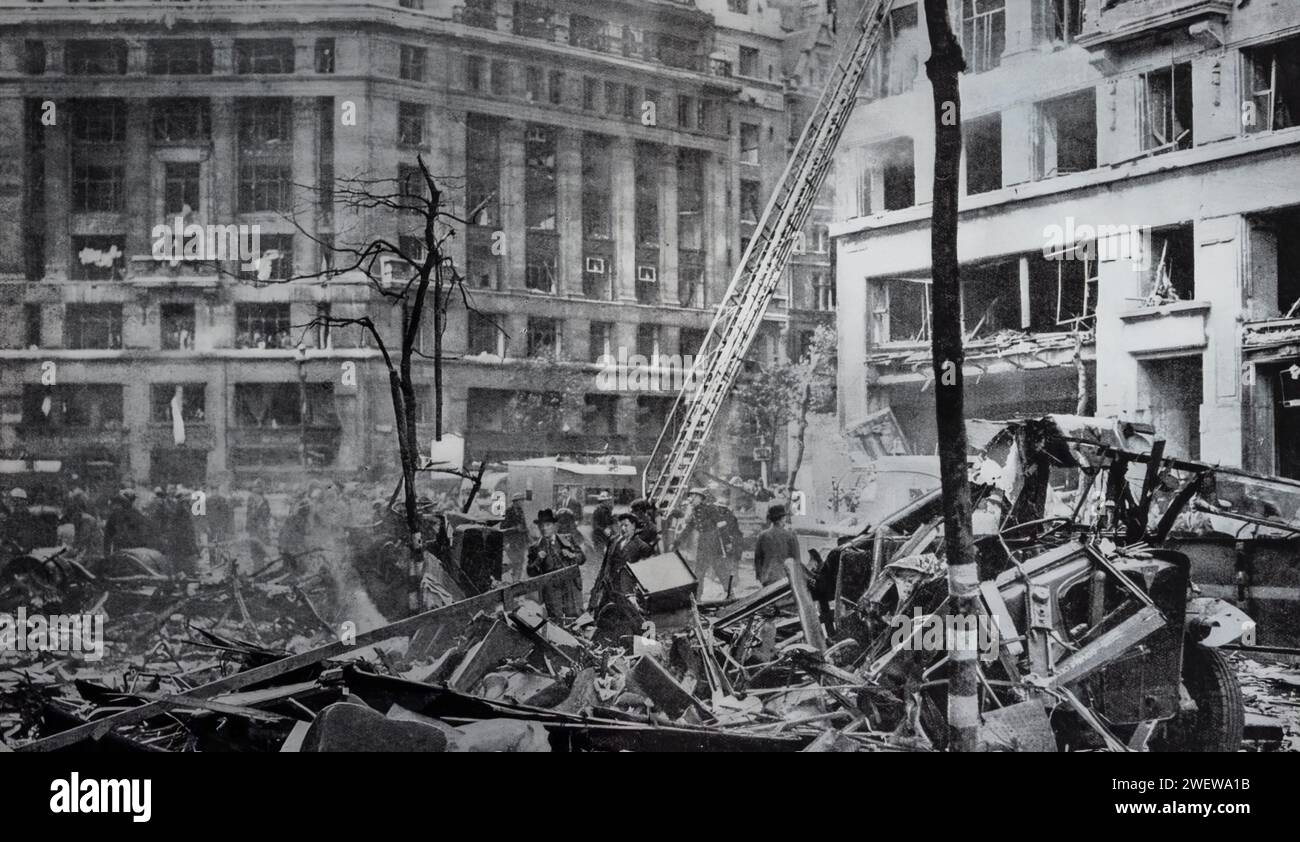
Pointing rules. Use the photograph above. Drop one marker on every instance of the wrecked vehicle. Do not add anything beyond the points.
(1100, 639)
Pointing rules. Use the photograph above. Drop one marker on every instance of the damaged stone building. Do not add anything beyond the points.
(1127, 221)
(619, 155)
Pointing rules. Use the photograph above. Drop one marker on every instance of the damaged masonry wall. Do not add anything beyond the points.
(1202, 202)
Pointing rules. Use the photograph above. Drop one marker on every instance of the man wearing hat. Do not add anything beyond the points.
(19, 526)
(716, 534)
(556, 552)
(615, 578)
(126, 527)
(515, 540)
(602, 522)
(775, 544)
(647, 528)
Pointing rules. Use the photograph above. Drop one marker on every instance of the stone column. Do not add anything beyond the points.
(13, 175)
(305, 150)
(223, 169)
(140, 214)
(1017, 144)
(623, 208)
(720, 225)
(58, 196)
(304, 54)
(512, 203)
(568, 183)
(668, 243)
(223, 56)
(1218, 280)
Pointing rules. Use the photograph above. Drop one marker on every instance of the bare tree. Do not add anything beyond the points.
(816, 374)
(943, 68)
(418, 278)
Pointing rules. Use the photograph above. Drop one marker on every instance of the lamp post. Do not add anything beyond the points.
(300, 356)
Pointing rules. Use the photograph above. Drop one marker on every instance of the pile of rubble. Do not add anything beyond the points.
(1090, 635)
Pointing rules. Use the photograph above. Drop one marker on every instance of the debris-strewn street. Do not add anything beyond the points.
(832, 376)
(843, 659)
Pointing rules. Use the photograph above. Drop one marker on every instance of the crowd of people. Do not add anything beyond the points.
(308, 525)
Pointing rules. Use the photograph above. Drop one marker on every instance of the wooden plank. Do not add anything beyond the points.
(100, 728)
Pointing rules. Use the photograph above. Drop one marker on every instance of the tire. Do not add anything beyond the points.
(1219, 720)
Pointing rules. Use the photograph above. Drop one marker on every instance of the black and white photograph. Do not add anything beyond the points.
(710, 376)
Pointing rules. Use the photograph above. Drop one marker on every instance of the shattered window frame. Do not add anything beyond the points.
(1168, 91)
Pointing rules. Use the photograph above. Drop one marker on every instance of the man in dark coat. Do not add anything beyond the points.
(717, 539)
(555, 552)
(615, 577)
(572, 504)
(647, 526)
(182, 545)
(515, 527)
(602, 522)
(126, 527)
(775, 544)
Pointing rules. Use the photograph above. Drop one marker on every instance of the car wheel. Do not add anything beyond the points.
(1220, 716)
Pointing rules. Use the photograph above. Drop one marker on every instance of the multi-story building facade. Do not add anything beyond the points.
(615, 158)
(1127, 190)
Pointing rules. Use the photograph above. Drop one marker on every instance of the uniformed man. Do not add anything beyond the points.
(552, 552)
(775, 544)
(515, 527)
(716, 535)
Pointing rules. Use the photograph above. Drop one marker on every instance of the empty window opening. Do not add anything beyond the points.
(1066, 136)
(1165, 109)
(894, 66)
(749, 138)
(899, 175)
(98, 258)
(1064, 19)
(543, 338)
(176, 324)
(647, 195)
(901, 312)
(1174, 390)
(1171, 272)
(983, 154)
(264, 55)
(600, 342)
(539, 178)
(93, 326)
(485, 337)
(983, 33)
(262, 326)
(483, 165)
(181, 188)
(1272, 86)
(541, 259)
(412, 63)
(180, 57)
(990, 298)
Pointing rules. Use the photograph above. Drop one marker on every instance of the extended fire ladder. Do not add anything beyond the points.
(740, 314)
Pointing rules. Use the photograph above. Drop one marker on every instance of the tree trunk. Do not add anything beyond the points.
(943, 67)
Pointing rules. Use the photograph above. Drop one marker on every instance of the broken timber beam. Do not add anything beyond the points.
(97, 730)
